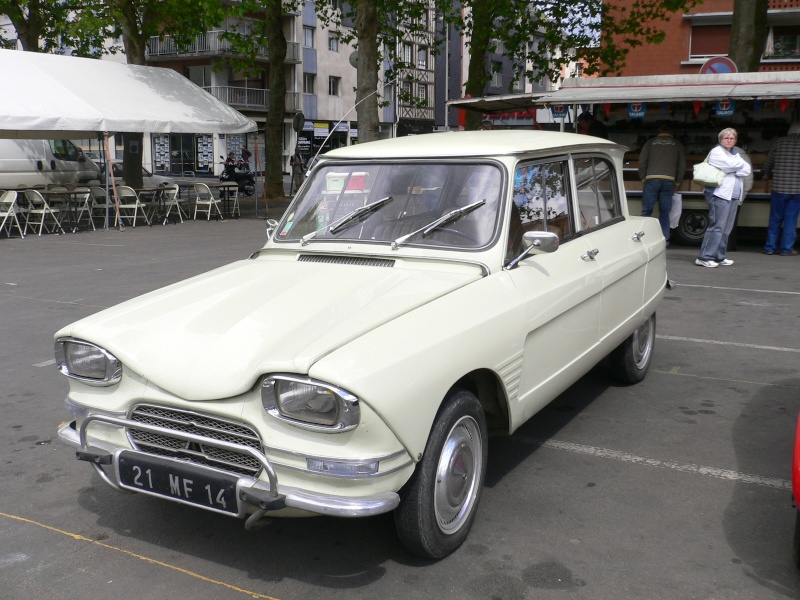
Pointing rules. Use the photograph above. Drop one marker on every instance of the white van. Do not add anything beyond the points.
(39, 162)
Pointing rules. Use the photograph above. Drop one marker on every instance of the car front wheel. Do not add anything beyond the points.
(439, 503)
(630, 360)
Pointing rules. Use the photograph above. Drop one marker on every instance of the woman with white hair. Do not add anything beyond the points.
(723, 200)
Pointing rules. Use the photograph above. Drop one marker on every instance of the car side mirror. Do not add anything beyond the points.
(535, 242)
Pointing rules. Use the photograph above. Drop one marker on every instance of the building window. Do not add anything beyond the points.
(422, 58)
(335, 4)
(308, 37)
(333, 42)
(309, 81)
(405, 88)
(334, 83)
(783, 42)
(407, 53)
(710, 40)
(422, 94)
(497, 74)
(200, 76)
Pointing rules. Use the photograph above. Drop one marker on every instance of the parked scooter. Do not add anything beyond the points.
(240, 173)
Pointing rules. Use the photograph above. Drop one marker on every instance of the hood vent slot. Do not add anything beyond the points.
(361, 261)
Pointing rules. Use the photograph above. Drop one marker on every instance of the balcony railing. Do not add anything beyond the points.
(209, 43)
(251, 98)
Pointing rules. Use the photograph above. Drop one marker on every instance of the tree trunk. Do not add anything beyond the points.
(749, 31)
(29, 30)
(482, 12)
(367, 77)
(135, 44)
(276, 52)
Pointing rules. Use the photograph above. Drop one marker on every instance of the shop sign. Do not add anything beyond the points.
(559, 111)
(637, 110)
(320, 129)
(725, 108)
(343, 127)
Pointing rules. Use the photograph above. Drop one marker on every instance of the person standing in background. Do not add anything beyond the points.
(662, 163)
(723, 201)
(297, 163)
(783, 165)
(588, 125)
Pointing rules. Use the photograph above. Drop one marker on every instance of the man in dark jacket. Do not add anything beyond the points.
(662, 163)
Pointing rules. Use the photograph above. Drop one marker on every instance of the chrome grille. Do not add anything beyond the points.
(191, 422)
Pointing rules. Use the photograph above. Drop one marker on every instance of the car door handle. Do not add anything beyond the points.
(638, 236)
(590, 254)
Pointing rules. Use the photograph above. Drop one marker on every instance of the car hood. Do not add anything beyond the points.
(213, 335)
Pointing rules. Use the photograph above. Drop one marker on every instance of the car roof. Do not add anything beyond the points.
(473, 143)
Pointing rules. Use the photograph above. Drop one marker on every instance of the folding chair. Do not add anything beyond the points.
(83, 201)
(172, 201)
(130, 207)
(37, 205)
(99, 202)
(205, 198)
(9, 212)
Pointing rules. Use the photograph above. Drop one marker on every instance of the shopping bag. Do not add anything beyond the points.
(675, 211)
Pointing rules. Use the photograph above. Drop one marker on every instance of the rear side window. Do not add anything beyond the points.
(598, 198)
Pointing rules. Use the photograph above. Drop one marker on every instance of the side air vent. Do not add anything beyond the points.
(347, 260)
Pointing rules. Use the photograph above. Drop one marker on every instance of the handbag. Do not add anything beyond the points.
(707, 175)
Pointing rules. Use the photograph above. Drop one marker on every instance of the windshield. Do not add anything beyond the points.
(382, 203)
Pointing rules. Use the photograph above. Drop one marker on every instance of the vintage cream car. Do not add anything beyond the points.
(418, 294)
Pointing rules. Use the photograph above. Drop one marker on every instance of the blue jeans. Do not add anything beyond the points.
(721, 215)
(660, 190)
(783, 212)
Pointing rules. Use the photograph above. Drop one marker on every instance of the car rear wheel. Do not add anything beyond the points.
(631, 359)
(439, 503)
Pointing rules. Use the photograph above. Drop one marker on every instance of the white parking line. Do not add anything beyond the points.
(781, 484)
(46, 363)
(716, 287)
(717, 342)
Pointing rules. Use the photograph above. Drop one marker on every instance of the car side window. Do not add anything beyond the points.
(541, 202)
(598, 200)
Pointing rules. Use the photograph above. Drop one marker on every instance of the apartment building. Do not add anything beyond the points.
(705, 32)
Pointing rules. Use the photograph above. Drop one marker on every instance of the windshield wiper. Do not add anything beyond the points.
(360, 212)
(342, 223)
(453, 215)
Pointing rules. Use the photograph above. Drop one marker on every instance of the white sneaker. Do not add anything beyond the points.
(706, 263)
(727, 262)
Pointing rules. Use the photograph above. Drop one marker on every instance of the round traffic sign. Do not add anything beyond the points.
(718, 64)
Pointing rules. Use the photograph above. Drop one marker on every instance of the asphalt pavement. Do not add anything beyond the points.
(675, 488)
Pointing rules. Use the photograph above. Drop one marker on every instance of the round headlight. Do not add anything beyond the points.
(310, 404)
(87, 362)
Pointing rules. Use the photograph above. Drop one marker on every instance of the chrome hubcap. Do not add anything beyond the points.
(457, 475)
(643, 343)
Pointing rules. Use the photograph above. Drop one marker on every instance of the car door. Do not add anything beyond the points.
(560, 291)
(616, 245)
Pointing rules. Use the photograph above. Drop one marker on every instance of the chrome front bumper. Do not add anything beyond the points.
(253, 492)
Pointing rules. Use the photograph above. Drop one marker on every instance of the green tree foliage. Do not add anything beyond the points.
(540, 36)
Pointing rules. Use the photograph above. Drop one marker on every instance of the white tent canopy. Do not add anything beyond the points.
(50, 96)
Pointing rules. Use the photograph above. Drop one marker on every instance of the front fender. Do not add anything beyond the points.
(404, 369)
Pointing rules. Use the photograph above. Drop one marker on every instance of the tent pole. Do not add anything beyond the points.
(110, 174)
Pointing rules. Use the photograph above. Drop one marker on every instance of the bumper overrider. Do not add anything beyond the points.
(202, 486)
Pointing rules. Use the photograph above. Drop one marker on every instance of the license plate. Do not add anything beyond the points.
(178, 481)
